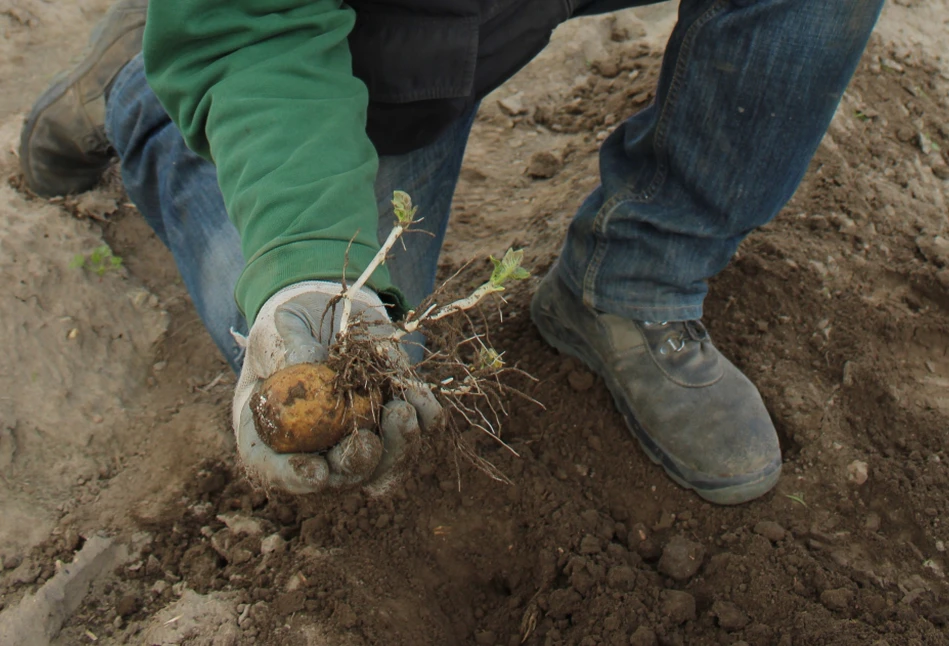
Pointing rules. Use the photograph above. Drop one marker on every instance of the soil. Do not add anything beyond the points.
(838, 310)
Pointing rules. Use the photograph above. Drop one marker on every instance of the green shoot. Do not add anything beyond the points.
(402, 206)
(508, 268)
(489, 359)
(796, 498)
(99, 261)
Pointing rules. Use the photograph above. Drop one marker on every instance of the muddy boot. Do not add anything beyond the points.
(63, 147)
(692, 411)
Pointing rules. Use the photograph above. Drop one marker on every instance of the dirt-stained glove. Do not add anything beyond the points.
(290, 328)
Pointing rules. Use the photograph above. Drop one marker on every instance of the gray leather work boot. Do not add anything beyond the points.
(63, 147)
(692, 411)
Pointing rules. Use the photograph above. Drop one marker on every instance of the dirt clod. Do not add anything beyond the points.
(544, 165)
(678, 606)
(563, 602)
(590, 544)
(838, 599)
(621, 577)
(289, 602)
(729, 615)
(643, 636)
(127, 605)
(858, 472)
(681, 558)
(581, 380)
(770, 530)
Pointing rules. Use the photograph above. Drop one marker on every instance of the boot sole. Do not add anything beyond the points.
(724, 494)
(56, 91)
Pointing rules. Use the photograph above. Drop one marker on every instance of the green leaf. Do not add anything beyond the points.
(796, 498)
(402, 206)
(116, 261)
(77, 262)
(489, 358)
(508, 268)
(859, 114)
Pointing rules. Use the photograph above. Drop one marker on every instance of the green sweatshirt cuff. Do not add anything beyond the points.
(279, 267)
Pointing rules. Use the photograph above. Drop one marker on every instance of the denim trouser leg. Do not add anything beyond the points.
(746, 92)
(177, 193)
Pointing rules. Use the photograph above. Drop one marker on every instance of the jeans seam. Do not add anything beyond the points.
(662, 124)
(602, 219)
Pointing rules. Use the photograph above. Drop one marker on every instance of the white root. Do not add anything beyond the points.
(378, 259)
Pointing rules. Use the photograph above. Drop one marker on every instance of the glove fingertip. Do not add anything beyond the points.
(398, 415)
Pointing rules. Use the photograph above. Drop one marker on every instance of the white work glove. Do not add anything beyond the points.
(286, 332)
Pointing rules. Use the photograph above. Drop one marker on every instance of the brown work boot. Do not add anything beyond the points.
(63, 147)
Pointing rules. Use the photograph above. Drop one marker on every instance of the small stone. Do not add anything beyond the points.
(941, 171)
(580, 380)
(127, 605)
(730, 616)
(873, 521)
(643, 637)
(857, 472)
(513, 105)
(678, 606)
(838, 600)
(12, 561)
(485, 638)
(590, 544)
(544, 165)
(847, 378)
(681, 558)
(273, 543)
(770, 530)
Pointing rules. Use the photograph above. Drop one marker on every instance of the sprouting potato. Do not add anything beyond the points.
(299, 410)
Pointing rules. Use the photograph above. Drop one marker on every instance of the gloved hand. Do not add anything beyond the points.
(288, 331)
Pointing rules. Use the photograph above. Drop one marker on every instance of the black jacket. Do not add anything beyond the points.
(426, 62)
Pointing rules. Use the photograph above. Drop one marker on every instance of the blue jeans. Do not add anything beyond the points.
(747, 90)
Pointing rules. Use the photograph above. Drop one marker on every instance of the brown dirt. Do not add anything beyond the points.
(837, 310)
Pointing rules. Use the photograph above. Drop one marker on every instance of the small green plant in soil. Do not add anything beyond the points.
(99, 261)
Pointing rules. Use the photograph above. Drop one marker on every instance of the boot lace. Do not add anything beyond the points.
(681, 333)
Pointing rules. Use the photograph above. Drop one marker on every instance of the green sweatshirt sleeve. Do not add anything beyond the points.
(265, 90)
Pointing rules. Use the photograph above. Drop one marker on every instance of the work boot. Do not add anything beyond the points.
(692, 411)
(63, 147)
